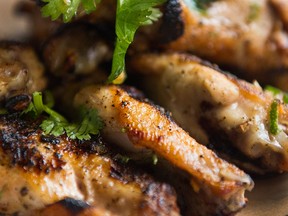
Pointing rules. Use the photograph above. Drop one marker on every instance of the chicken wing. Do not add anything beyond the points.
(212, 105)
(236, 34)
(39, 170)
(20, 70)
(138, 126)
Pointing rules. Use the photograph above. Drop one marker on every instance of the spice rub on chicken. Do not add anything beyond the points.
(138, 126)
(218, 108)
(40, 171)
(237, 34)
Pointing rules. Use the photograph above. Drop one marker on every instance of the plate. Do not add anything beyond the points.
(268, 198)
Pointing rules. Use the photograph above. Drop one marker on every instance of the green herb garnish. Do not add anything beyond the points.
(130, 15)
(273, 118)
(67, 8)
(285, 98)
(154, 159)
(275, 91)
(57, 125)
(122, 158)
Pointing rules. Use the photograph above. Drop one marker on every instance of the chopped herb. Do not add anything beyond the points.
(273, 118)
(254, 12)
(122, 158)
(275, 91)
(285, 98)
(57, 125)
(155, 159)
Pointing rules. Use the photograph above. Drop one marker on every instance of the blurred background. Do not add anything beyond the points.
(13, 25)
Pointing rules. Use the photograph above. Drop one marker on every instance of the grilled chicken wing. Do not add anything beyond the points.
(20, 70)
(39, 170)
(140, 127)
(232, 33)
(75, 57)
(212, 105)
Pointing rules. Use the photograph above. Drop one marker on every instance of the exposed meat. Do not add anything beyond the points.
(20, 70)
(40, 170)
(210, 104)
(137, 126)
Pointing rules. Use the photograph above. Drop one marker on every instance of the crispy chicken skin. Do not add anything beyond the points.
(139, 126)
(20, 70)
(210, 104)
(233, 33)
(39, 170)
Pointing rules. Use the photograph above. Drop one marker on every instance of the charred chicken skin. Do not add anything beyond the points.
(38, 171)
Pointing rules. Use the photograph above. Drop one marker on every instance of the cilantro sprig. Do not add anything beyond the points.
(130, 15)
(55, 124)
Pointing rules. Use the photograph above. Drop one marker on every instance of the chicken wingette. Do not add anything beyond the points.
(39, 170)
(237, 34)
(139, 127)
(20, 70)
(218, 108)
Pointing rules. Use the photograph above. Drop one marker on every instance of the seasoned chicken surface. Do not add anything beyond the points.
(38, 171)
(212, 106)
(247, 35)
(20, 70)
(138, 126)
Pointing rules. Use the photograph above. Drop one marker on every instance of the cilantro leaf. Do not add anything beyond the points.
(66, 8)
(130, 15)
(56, 124)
